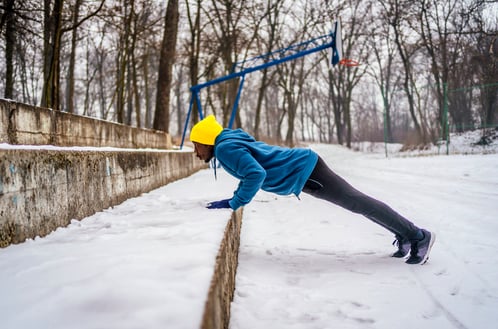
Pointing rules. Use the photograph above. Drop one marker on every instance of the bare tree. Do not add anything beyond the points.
(484, 65)
(273, 12)
(193, 47)
(399, 13)
(383, 73)
(9, 21)
(342, 80)
(72, 60)
(123, 56)
(52, 34)
(168, 49)
(226, 19)
(442, 27)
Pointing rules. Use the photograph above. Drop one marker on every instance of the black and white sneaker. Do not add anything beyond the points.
(420, 249)
(403, 245)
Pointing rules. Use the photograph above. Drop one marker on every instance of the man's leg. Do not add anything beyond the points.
(323, 183)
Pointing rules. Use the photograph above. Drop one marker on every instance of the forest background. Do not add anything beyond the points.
(426, 66)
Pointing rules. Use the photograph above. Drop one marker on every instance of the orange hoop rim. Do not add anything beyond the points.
(348, 62)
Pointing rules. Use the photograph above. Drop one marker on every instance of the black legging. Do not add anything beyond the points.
(323, 183)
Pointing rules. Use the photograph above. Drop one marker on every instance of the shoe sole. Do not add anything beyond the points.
(393, 255)
(431, 242)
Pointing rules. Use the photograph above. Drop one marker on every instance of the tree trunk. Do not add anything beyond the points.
(273, 11)
(194, 50)
(122, 60)
(406, 81)
(136, 93)
(72, 61)
(259, 103)
(148, 110)
(52, 40)
(161, 119)
(179, 102)
(10, 41)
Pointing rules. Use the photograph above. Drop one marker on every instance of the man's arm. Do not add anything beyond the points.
(248, 170)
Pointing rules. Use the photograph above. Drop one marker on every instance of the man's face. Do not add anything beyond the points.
(203, 152)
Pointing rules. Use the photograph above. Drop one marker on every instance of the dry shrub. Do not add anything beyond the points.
(413, 142)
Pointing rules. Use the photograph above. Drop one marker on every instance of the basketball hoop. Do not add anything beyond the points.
(348, 62)
(336, 49)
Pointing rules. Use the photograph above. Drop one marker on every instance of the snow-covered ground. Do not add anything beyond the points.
(303, 263)
(309, 264)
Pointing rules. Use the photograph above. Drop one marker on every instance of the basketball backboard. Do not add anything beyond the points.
(336, 49)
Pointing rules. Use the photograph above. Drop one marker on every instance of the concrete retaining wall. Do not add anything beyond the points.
(30, 125)
(41, 190)
(217, 308)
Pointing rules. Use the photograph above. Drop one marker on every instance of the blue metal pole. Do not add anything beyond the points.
(195, 94)
(187, 119)
(262, 66)
(236, 102)
(199, 106)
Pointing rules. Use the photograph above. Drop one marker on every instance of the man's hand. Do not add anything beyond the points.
(219, 204)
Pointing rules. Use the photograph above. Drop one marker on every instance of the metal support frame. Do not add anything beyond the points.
(269, 59)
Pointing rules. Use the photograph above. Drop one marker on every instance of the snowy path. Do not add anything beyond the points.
(309, 264)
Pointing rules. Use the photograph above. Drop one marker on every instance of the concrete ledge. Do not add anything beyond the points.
(217, 308)
(22, 124)
(41, 190)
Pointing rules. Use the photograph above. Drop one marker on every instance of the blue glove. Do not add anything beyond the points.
(219, 204)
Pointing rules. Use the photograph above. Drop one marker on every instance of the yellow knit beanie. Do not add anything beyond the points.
(206, 131)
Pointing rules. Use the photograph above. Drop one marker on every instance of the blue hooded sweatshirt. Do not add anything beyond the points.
(258, 165)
